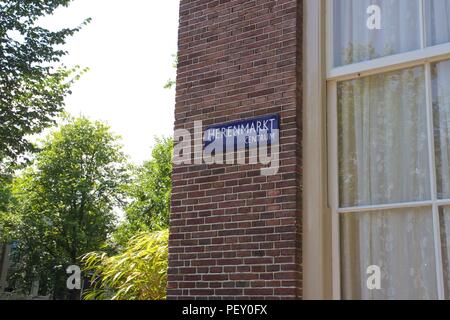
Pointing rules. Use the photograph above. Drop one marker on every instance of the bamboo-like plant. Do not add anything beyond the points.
(138, 273)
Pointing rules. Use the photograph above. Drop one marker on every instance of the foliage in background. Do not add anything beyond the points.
(5, 192)
(64, 203)
(150, 194)
(6, 219)
(33, 83)
(138, 273)
(171, 83)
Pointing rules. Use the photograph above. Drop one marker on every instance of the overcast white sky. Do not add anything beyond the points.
(128, 47)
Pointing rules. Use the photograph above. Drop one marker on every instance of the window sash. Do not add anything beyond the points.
(418, 204)
(424, 56)
(380, 43)
(390, 63)
(380, 65)
(334, 191)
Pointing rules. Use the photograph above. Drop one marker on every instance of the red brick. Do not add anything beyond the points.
(235, 233)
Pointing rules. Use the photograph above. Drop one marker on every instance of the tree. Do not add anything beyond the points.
(171, 83)
(5, 192)
(5, 200)
(138, 273)
(150, 194)
(33, 83)
(65, 202)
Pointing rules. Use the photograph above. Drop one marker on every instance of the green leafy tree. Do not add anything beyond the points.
(149, 193)
(5, 200)
(65, 202)
(5, 192)
(171, 83)
(33, 82)
(138, 273)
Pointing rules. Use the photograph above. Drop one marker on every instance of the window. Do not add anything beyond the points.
(354, 42)
(388, 91)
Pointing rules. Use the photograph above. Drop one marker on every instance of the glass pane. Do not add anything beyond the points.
(445, 237)
(400, 243)
(355, 42)
(437, 14)
(441, 114)
(383, 145)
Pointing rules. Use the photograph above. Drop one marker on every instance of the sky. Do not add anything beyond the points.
(128, 48)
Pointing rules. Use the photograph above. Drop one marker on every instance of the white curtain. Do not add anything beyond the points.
(383, 139)
(445, 236)
(438, 23)
(441, 110)
(384, 159)
(354, 42)
(401, 243)
(384, 152)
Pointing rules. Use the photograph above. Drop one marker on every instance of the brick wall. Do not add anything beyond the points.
(234, 232)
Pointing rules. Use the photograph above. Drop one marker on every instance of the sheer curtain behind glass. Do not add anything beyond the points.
(401, 243)
(354, 42)
(441, 114)
(384, 153)
(438, 23)
(383, 139)
(445, 238)
(384, 159)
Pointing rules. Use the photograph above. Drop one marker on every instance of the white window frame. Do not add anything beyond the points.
(316, 214)
(422, 57)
